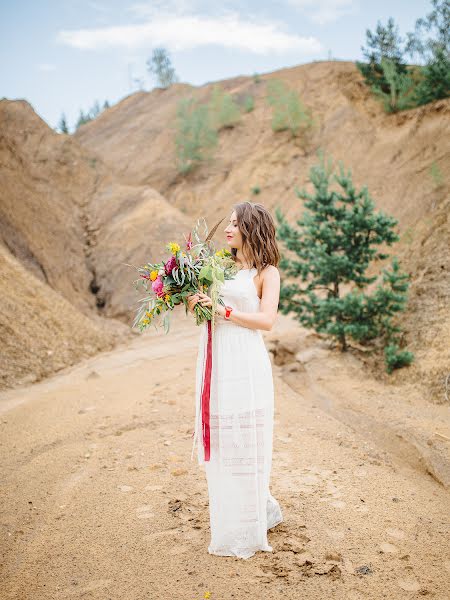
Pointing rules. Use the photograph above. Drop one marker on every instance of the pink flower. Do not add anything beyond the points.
(170, 265)
(189, 241)
(157, 286)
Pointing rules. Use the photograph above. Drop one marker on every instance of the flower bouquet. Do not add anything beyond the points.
(170, 282)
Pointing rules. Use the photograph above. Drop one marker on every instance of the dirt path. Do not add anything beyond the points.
(100, 498)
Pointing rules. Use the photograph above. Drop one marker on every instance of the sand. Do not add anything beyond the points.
(100, 498)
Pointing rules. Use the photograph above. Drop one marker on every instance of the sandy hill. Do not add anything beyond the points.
(67, 225)
(74, 209)
(395, 155)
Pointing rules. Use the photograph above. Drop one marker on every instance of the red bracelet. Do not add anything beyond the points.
(228, 310)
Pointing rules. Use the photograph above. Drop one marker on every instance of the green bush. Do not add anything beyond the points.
(195, 139)
(399, 96)
(289, 112)
(395, 358)
(249, 103)
(223, 111)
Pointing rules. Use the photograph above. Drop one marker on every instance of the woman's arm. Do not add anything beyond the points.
(268, 306)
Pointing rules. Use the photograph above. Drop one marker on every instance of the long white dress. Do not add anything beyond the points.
(241, 507)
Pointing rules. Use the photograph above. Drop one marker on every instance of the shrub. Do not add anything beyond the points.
(195, 139)
(223, 111)
(289, 112)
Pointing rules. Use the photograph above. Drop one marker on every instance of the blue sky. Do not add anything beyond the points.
(63, 55)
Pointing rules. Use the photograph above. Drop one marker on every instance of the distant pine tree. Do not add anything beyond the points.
(62, 125)
(106, 105)
(338, 238)
(82, 119)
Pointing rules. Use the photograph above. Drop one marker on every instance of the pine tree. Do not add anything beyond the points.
(62, 125)
(338, 238)
(82, 119)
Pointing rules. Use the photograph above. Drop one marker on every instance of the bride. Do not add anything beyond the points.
(241, 507)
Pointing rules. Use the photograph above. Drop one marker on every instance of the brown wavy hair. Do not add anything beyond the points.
(257, 227)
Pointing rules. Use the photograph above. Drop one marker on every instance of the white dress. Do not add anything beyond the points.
(241, 507)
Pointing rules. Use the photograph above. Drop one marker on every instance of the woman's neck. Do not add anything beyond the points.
(241, 262)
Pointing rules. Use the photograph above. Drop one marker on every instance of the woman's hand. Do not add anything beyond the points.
(192, 301)
(205, 300)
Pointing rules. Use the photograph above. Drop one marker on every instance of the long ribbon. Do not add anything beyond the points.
(206, 392)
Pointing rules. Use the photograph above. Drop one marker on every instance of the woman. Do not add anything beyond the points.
(241, 506)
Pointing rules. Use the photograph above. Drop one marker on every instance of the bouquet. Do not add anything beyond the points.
(170, 282)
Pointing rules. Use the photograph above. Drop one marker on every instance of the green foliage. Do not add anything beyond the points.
(256, 190)
(338, 237)
(387, 73)
(92, 113)
(256, 78)
(249, 103)
(62, 125)
(195, 139)
(434, 83)
(289, 112)
(400, 85)
(160, 66)
(395, 358)
(436, 175)
(384, 43)
(223, 111)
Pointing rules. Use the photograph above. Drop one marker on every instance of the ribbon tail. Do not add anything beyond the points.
(206, 396)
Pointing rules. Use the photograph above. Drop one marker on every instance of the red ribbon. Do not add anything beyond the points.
(206, 392)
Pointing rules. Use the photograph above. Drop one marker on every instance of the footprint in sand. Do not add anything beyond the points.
(92, 586)
(335, 503)
(396, 533)
(335, 534)
(388, 548)
(360, 473)
(409, 585)
(144, 512)
(125, 488)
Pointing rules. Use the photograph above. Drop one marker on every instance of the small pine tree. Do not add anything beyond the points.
(106, 105)
(338, 238)
(224, 112)
(95, 110)
(160, 66)
(384, 43)
(62, 125)
(82, 119)
(195, 139)
(399, 96)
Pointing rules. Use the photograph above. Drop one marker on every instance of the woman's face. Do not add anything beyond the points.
(234, 236)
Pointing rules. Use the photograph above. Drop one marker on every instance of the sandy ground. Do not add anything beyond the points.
(100, 498)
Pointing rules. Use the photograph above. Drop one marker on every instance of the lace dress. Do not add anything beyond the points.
(241, 507)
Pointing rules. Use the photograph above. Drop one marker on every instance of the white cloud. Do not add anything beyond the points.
(325, 11)
(46, 67)
(182, 32)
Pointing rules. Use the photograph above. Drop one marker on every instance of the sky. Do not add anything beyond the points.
(63, 55)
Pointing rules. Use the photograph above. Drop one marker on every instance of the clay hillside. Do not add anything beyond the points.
(74, 208)
(393, 154)
(67, 225)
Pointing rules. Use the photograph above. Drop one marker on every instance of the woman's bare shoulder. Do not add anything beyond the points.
(270, 271)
